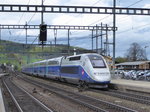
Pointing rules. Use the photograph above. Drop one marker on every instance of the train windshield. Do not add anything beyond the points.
(97, 61)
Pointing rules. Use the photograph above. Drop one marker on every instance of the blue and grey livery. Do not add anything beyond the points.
(90, 69)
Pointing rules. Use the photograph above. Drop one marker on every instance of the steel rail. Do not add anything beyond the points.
(137, 91)
(66, 97)
(32, 97)
(126, 96)
(15, 101)
(77, 96)
(134, 95)
(39, 102)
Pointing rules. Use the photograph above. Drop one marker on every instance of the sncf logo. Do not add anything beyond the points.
(82, 72)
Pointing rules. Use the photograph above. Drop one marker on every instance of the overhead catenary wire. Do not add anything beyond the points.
(21, 17)
(29, 19)
(104, 18)
(98, 1)
(81, 14)
(23, 13)
(137, 27)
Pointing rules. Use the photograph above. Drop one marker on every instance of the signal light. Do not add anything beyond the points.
(43, 33)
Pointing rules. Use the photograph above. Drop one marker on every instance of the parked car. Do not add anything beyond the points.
(128, 75)
(147, 76)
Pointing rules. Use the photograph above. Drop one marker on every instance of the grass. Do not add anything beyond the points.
(20, 54)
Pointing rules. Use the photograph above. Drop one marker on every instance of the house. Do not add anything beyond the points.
(109, 61)
(137, 65)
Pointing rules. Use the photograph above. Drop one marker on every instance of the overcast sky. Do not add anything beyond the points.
(130, 28)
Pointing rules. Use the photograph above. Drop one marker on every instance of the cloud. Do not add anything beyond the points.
(130, 28)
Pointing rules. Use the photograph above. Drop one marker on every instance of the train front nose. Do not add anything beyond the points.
(102, 76)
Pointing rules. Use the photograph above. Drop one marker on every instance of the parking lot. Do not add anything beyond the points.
(134, 74)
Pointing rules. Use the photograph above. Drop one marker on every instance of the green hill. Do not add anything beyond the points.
(21, 54)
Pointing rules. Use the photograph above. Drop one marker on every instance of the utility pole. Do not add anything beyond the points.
(106, 52)
(26, 34)
(114, 33)
(92, 40)
(96, 39)
(55, 36)
(145, 52)
(101, 38)
(68, 41)
(50, 45)
(26, 47)
(42, 22)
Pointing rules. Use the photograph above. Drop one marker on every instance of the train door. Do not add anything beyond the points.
(69, 70)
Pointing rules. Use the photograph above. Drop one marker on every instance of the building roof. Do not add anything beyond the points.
(132, 63)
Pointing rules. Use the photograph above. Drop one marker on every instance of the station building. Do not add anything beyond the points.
(137, 65)
(109, 61)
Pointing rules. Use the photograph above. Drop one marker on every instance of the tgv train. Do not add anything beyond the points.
(85, 69)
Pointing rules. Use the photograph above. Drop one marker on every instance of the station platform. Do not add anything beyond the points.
(2, 108)
(143, 86)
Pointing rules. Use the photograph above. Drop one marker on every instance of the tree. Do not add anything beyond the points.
(135, 53)
(120, 60)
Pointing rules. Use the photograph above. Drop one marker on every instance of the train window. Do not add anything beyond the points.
(97, 61)
(42, 63)
(74, 58)
(70, 70)
(53, 63)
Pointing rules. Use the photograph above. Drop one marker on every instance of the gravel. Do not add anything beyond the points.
(61, 104)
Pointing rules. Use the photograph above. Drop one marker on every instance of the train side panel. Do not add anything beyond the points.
(89, 68)
(53, 68)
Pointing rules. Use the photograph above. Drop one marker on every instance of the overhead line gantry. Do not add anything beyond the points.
(73, 9)
(78, 9)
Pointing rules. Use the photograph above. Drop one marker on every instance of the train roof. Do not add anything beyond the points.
(85, 54)
(58, 58)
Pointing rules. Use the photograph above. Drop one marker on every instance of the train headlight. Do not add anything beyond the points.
(95, 73)
(101, 73)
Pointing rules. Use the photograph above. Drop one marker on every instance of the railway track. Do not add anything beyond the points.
(130, 95)
(138, 92)
(24, 101)
(87, 101)
(127, 96)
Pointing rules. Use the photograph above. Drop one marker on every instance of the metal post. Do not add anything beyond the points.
(96, 39)
(26, 34)
(50, 45)
(42, 14)
(28, 58)
(92, 40)
(55, 35)
(26, 44)
(101, 38)
(114, 33)
(106, 41)
(68, 41)
(146, 52)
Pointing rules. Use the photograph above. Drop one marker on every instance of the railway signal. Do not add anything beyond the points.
(43, 33)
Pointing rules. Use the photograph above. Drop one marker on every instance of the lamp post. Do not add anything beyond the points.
(145, 50)
(146, 56)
